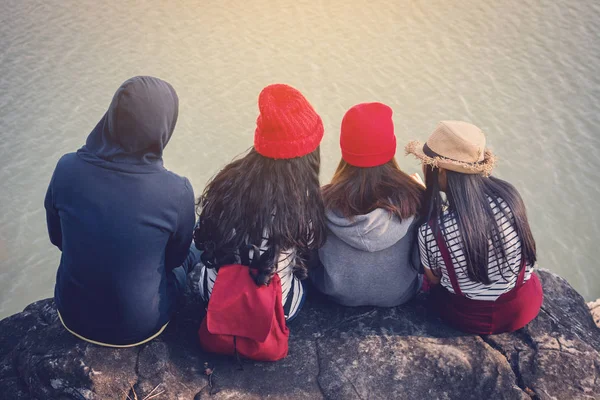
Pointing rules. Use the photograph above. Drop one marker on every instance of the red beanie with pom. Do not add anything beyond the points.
(287, 125)
(367, 138)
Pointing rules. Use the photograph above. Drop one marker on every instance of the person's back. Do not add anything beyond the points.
(500, 271)
(370, 209)
(366, 260)
(122, 221)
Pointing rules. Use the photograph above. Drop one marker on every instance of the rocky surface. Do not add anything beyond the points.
(335, 353)
(595, 309)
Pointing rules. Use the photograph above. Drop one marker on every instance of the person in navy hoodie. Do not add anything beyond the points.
(122, 221)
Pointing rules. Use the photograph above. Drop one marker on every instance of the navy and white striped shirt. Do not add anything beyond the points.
(475, 290)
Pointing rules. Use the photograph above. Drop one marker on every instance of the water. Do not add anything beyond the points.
(527, 72)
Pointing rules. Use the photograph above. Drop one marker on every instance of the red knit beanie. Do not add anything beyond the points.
(367, 138)
(287, 126)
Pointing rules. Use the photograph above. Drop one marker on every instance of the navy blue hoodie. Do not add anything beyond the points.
(121, 220)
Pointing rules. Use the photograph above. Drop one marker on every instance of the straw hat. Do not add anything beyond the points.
(456, 146)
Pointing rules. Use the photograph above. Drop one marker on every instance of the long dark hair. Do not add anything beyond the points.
(358, 191)
(256, 198)
(467, 199)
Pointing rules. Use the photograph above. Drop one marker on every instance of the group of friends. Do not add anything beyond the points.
(130, 231)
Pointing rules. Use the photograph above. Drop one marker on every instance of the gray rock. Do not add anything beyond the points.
(335, 353)
(595, 309)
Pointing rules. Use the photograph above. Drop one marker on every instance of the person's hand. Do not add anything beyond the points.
(417, 178)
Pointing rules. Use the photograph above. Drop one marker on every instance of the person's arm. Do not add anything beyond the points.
(178, 247)
(52, 217)
(429, 273)
(431, 277)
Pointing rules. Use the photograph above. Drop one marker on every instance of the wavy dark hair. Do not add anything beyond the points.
(467, 200)
(358, 191)
(254, 199)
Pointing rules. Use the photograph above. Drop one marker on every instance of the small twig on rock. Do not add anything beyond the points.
(154, 395)
(134, 393)
(150, 396)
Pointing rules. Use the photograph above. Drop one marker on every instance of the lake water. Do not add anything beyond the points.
(526, 71)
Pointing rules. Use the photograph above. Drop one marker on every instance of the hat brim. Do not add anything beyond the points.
(484, 167)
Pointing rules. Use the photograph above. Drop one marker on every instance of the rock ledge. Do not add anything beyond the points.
(335, 353)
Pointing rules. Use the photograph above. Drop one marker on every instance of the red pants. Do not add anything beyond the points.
(511, 311)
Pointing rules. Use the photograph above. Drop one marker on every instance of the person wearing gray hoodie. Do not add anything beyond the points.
(368, 257)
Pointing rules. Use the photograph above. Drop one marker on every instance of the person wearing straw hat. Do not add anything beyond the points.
(475, 242)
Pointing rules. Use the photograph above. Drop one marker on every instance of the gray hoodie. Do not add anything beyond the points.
(365, 260)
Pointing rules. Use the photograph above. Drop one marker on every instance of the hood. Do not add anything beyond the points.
(137, 126)
(371, 232)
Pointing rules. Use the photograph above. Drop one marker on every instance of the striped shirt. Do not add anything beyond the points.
(502, 279)
(291, 287)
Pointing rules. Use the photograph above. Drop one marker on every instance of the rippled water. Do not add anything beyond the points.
(527, 72)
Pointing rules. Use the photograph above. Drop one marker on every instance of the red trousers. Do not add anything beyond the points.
(511, 311)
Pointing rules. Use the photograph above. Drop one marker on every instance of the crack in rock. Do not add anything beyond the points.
(350, 382)
(580, 332)
(319, 358)
(136, 370)
(514, 363)
(350, 319)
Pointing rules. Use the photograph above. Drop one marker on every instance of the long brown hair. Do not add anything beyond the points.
(256, 198)
(468, 199)
(358, 191)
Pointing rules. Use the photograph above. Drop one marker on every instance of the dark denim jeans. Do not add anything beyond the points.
(178, 277)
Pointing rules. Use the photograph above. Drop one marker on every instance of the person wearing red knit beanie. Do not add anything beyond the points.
(370, 211)
(367, 136)
(265, 211)
(287, 125)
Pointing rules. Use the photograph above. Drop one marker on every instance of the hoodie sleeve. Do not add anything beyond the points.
(179, 243)
(52, 217)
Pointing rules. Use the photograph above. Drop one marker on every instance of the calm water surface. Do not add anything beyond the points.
(526, 71)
